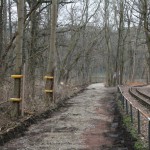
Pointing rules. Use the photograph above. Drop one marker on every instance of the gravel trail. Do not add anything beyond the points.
(84, 123)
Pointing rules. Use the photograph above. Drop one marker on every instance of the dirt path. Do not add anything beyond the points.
(86, 122)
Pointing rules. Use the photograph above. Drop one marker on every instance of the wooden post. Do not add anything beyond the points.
(139, 122)
(126, 107)
(131, 113)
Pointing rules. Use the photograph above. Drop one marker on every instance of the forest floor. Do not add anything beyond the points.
(89, 121)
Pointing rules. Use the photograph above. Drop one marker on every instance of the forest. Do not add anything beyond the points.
(50, 48)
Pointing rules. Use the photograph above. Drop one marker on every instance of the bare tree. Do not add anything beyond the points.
(51, 55)
(18, 59)
(145, 16)
(1, 27)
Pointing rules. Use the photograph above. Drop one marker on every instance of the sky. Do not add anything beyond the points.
(77, 8)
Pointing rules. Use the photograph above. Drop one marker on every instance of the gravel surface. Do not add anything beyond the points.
(86, 122)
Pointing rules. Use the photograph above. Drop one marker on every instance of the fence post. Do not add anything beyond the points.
(139, 123)
(123, 102)
(131, 113)
(118, 89)
(126, 106)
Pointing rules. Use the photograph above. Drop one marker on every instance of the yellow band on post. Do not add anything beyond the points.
(49, 77)
(16, 76)
(48, 91)
(15, 99)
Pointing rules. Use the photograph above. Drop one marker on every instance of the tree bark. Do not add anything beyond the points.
(146, 30)
(120, 48)
(18, 61)
(10, 20)
(51, 54)
(33, 48)
(5, 23)
(1, 39)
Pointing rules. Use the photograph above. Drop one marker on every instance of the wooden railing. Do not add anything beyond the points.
(128, 107)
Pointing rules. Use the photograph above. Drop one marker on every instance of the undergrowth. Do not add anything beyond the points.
(138, 144)
(126, 119)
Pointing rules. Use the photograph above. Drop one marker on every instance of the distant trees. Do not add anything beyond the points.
(71, 41)
(130, 19)
(138, 17)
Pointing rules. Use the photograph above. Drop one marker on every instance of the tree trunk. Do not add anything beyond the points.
(145, 13)
(120, 48)
(33, 47)
(1, 38)
(1, 28)
(108, 46)
(5, 23)
(18, 60)
(10, 21)
(51, 54)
